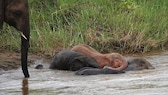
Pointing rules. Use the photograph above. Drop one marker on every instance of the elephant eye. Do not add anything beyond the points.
(17, 13)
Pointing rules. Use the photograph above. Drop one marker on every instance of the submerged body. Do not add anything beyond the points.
(74, 61)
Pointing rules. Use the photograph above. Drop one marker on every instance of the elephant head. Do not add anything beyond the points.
(138, 63)
(15, 13)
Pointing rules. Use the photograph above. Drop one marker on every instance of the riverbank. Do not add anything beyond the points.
(45, 81)
(9, 60)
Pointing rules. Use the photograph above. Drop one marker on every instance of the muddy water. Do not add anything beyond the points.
(54, 82)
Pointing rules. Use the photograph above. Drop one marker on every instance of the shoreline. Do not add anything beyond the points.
(9, 60)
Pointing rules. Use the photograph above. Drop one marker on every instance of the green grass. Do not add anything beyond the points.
(125, 26)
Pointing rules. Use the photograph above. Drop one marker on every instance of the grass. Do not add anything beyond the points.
(125, 26)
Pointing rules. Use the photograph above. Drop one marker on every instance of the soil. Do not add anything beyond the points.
(10, 61)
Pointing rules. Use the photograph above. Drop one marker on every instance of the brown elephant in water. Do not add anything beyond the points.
(134, 64)
(15, 13)
(114, 60)
(104, 60)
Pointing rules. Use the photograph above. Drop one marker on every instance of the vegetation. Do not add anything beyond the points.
(125, 26)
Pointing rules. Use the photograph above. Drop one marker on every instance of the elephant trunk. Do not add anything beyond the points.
(24, 27)
(25, 35)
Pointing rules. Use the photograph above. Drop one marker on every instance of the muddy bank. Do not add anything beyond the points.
(10, 61)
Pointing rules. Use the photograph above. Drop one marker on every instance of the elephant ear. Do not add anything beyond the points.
(2, 12)
(76, 64)
(80, 58)
(80, 62)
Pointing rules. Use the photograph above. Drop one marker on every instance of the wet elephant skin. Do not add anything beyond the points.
(15, 13)
(75, 61)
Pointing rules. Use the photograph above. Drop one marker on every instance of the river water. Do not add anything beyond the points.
(55, 82)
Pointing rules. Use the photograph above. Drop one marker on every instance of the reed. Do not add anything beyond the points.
(125, 26)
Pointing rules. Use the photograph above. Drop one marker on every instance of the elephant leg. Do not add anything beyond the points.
(96, 71)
